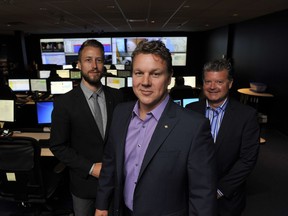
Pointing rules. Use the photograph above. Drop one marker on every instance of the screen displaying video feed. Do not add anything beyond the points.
(118, 50)
(123, 48)
(7, 110)
(38, 85)
(19, 85)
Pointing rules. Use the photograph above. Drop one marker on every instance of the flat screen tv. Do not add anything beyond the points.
(64, 73)
(129, 81)
(54, 58)
(122, 48)
(44, 111)
(19, 85)
(75, 74)
(39, 85)
(43, 74)
(118, 50)
(190, 80)
(116, 82)
(7, 111)
(61, 87)
(189, 100)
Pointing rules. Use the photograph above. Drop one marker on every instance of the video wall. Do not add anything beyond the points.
(118, 50)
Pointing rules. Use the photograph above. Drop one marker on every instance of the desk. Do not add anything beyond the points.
(44, 151)
(246, 93)
(252, 98)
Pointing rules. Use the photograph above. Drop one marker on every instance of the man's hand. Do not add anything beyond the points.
(96, 170)
(101, 212)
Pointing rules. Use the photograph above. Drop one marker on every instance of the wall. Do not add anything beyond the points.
(259, 52)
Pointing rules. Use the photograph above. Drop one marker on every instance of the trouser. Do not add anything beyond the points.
(83, 207)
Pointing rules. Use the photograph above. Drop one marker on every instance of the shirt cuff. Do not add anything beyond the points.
(219, 194)
(91, 170)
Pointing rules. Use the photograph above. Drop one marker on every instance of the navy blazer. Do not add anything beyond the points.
(178, 173)
(75, 138)
(237, 147)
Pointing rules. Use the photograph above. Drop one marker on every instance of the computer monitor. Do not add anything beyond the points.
(189, 100)
(116, 82)
(7, 111)
(124, 73)
(172, 83)
(44, 111)
(65, 67)
(19, 85)
(120, 66)
(39, 85)
(103, 80)
(190, 80)
(60, 87)
(178, 101)
(63, 73)
(112, 71)
(129, 82)
(75, 74)
(43, 74)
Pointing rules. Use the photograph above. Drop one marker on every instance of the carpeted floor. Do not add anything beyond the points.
(267, 186)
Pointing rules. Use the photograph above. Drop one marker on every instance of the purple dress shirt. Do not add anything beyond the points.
(137, 140)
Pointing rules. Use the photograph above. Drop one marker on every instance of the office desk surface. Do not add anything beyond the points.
(247, 91)
(44, 151)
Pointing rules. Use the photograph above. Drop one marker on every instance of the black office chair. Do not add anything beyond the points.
(21, 178)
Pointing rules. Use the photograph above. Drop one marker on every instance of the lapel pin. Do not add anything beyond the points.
(166, 126)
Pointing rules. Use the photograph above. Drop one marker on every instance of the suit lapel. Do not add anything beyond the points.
(109, 108)
(164, 127)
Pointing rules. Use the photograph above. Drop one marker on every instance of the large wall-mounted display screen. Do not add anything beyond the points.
(63, 51)
(122, 48)
(118, 50)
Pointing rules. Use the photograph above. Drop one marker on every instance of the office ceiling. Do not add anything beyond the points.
(86, 16)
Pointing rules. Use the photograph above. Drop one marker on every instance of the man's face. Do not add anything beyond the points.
(150, 80)
(216, 87)
(91, 65)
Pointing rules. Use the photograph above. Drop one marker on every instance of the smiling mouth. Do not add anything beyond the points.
(145, 92)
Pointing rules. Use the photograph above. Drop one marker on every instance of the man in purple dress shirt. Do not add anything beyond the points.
(159, 159)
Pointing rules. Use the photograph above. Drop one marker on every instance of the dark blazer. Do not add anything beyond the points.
(177, 176)
(75, 138)
(237, 147)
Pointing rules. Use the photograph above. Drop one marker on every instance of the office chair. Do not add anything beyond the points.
(21, 178)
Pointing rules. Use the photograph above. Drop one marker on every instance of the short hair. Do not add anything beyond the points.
(92, 43)
(218, 65)
(155, 47)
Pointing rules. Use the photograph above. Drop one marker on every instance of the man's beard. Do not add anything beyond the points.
(92, 81)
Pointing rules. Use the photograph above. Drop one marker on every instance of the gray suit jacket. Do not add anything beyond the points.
(177, 176)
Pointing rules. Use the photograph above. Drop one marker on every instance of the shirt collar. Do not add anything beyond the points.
(88, 93)
(157, 112)
(222, 107)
